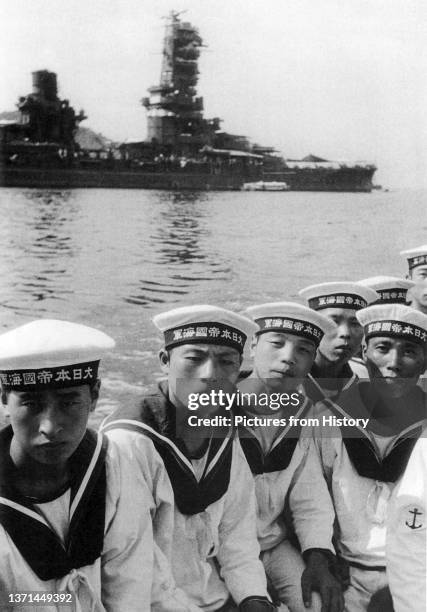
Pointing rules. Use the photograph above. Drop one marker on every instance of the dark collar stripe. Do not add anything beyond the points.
(317, 394)
(87, 526)
(362, 452)
(215, 449)
(192, 496)
(38, 544)
(313, 390)
(155, 418)
(367, 464)
(276, 460)
(281, 452)
(155, 436)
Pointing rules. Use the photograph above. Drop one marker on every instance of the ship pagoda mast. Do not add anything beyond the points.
(174, 111)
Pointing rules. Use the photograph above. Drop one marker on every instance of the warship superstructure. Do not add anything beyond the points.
(41, 145)
(174, 110)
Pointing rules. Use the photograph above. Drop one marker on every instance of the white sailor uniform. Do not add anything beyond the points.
(93, 543)
(406, 534)
(362, 469)
(204, 518)
(292, 499)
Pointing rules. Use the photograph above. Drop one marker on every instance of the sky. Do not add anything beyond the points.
(342, 79)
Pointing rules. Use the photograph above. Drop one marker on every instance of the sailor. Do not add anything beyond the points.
(331, 373)
(390, 290)
(286, 468)
(417, 272)
(406, 535)
(205, 518)
(72, 527)
(363, 464)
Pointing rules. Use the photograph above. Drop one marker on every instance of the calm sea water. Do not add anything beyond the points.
(114, 258)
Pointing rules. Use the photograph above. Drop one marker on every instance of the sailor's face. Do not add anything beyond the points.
(282, 360)
(199, 368)
(49, 425)
(394, 364)
(343, 343)
(419, 274)
(417, 295)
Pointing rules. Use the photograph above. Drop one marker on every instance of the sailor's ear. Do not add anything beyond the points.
(164, 359)
(94, 393)
(364, 349)
(252, 348)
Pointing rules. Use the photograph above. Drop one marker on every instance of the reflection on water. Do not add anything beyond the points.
(37, 242)
(113, 258)
(177, 244)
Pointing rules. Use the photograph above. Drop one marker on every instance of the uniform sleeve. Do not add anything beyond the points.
(165, 595)
(310, 503)
(238, 552)
(127, 558)
(406, 547)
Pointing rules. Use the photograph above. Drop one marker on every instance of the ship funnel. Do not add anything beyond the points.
(44, 84)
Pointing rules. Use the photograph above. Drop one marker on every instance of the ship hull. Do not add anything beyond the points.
(322, 179)
(72, 178)
(112, 179)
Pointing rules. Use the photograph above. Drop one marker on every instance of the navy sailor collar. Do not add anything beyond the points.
(358, 441)
(38, 544)
(155, 418)
(316, 392)
(280, 454)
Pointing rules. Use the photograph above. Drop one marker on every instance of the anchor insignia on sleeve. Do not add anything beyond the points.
(415, 513)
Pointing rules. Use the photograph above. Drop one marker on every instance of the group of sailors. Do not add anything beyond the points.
(151, 513)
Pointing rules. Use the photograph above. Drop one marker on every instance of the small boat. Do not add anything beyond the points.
(266, 186)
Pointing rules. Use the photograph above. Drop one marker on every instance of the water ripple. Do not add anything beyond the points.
(114, 258)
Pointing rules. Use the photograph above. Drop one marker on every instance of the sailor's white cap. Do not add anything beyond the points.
(291, 318)
(394, 320)
(204, 324)
(338, 295)
(416, 256)
(51, 353)
(390, 289)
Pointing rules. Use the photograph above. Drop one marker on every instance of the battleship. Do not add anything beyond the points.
(43, 145)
